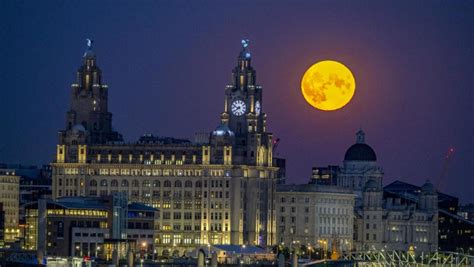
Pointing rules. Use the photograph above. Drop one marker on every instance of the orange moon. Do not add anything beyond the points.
(328, 85)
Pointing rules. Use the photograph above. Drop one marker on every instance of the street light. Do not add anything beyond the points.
(144, 250)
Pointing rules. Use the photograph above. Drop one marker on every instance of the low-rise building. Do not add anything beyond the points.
(80, 226)
(316, 216)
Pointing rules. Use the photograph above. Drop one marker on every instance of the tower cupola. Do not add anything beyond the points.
(244, 75)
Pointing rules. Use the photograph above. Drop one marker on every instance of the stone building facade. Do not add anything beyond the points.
(10, 198)
(359, 166)
(385, 221)
(393, 223)
(217, 191)
(382, 220)
(319, 216)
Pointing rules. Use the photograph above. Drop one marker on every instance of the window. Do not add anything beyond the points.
(135, 183)
(188, 184)
(156, 183)
(177, 184)
(124, 183)
(167, 183)
(114, 183)
(91, 183)
(103, 182)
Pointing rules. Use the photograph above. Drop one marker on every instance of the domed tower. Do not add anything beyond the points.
(243, 114)
(428, 198)
(360, 166)
(88, 120)
(89, 106)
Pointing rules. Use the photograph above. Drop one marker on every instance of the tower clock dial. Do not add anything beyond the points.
(238, 107)
(257, 107)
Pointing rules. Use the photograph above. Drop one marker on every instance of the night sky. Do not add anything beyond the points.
(167, 63)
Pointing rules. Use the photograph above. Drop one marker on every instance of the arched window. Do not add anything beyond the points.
(198, 184)
(135, 183)
(114, 183)
(93, 183)
(156, 183)
(124, 183)
(177, 183)
(146, 183)
(167, 183)
(103, 182)
(188, 184)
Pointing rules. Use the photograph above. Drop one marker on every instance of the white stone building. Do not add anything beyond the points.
(315, 215)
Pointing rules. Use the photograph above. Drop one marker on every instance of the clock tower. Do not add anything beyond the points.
(243, 114)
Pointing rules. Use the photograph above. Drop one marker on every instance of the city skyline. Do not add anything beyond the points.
(185, 75)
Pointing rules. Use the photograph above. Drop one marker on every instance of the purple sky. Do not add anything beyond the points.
(167, 63)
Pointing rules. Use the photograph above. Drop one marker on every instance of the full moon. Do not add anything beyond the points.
(328, 85)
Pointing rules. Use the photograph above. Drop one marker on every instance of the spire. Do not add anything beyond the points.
(244, 74)
(360, 137)
(244, 55)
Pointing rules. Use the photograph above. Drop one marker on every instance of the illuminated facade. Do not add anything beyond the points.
(318, 216)
(82, 226)
(219, 190)
(10, 197)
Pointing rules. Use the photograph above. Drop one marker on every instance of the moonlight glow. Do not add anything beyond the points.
(328, 85)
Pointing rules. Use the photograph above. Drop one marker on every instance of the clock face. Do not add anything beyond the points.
(257, 107)
(238, 107)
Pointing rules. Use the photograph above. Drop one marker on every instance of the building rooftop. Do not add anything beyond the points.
(140, 206)
(98, 203)
(313, 188)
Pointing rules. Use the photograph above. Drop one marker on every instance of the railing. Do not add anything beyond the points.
(397, 258)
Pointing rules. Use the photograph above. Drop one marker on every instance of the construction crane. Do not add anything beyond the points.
(275, 145)
(447, 159)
